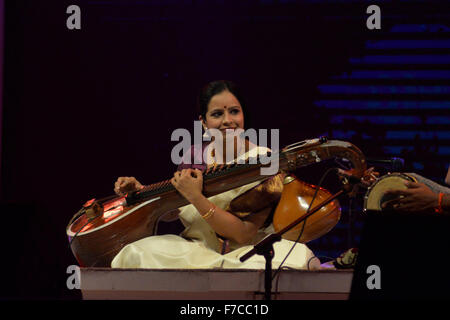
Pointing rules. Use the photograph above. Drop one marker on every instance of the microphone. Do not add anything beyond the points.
(392, 164)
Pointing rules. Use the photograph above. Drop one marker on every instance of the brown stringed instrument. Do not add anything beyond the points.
(102, 227)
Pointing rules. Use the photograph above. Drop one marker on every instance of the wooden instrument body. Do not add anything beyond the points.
(95, 242)
(96, 239)
(104, 238)
(295, 202)
(97, 247)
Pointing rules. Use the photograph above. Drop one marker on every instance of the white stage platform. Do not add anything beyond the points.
(207, 284)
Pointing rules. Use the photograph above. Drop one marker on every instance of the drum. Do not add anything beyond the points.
(376, 194)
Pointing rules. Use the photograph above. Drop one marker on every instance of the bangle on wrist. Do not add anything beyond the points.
(210, 213)
(438, 209)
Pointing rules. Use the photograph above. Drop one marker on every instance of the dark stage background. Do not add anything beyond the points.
(83, 107)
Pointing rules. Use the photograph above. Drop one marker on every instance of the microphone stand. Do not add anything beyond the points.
(265, 246)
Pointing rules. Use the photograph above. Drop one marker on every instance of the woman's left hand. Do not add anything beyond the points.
(189, 182)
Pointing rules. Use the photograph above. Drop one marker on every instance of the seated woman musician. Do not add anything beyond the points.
(220, 229)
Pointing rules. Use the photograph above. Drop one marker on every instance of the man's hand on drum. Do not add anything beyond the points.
(418, 197)
(124, 185)
(189, 182)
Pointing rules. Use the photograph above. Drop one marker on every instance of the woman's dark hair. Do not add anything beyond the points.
(216, 87)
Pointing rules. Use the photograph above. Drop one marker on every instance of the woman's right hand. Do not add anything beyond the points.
(124, 185)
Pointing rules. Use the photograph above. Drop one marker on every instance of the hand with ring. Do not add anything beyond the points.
(189, 182)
